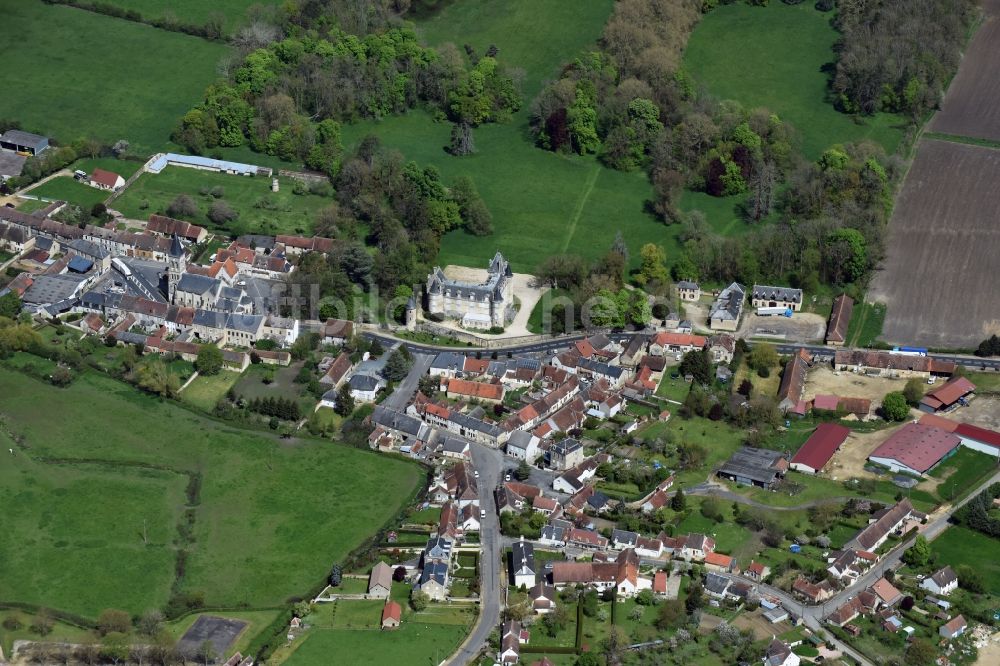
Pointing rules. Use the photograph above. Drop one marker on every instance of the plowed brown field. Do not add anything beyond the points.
(939, 276)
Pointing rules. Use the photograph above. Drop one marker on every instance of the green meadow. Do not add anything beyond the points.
(777, 57)
(96, 493)
(70, 73)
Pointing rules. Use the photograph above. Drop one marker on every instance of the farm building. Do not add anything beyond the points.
(938, 422)
(887, 364)
(11, 165)
(206, 164)
(979, 439)
(727, 308)
(763, 296)
(840, 318)
(755, 467)
(25, 143)
(793, 381)
(947, 395)
(106, 180)
(915, 448)
(819, 448)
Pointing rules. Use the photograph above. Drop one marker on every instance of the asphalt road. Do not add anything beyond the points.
(547, 346)
(489, 463)
(406, 389)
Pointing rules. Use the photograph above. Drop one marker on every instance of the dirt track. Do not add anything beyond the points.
(942, 250)
(824, 380)
(972, 104)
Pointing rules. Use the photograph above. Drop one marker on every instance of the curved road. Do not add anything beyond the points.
(821, 351)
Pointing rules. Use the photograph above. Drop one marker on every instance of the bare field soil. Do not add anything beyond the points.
(942, 250)
(850, 460)
(972, 105)
(800, 327)
(982, 411)
(824, 380)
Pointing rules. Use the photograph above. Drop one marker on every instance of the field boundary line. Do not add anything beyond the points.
(591, 181)
(989, 144)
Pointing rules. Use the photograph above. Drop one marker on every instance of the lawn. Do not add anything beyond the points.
(960, 545)
(413, 643)
(124, 168)
(986, 382)
(66, 188)
(260, 210)
(83, 549)
(251, 384)
(673, 389)
(775, 57)
(866, 324)
(195, 12)
(962, 472)
(205, 391)
(72, 73)
(75, 534)
(571, 202)
(357, 614)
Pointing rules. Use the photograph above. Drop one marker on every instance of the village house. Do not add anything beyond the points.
(666, 342)
(106, 180)
(543, 598)
(757, 571)
(622, 575)
(893, 520)
(462, 389)
(337, 332)
(727, 308)
(954, 628)
(522, 563)
(815, 592)
(721, 348)
(688, 291)
(944, 581)
(565, 454)
(780, 654)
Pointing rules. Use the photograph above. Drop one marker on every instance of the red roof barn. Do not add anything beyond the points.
(819, 448)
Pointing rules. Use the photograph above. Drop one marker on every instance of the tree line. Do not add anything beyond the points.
(898, 57)
(305, 68)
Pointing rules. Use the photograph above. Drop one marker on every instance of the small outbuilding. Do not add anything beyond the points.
(392, 614)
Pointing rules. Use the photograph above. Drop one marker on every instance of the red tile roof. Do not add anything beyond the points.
(948, 393)
(392, 611)
(105, 178)
(719, 560)
(680, 339)
(475, 389)
(919, 447)
(983, 435)
(821, 445)
(941, 422)
(827, 402)
(840, 317)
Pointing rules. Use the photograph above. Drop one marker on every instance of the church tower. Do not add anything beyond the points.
(176, 265)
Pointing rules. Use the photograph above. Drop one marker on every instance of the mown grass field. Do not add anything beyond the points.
(960, 545)
(259, 209)
(70, 73)
(866, 324)
(66, 188)
(300, 504)
(348, 633)
(542, 203)
(775, 57)
(962, 472)
(234, 12)
(205, 391)
(74, 534)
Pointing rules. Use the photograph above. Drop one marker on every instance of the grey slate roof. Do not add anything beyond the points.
(598, 368)
(89, 249)
(448, 361)
(192, 283)
(787, 294)
(729, 304)
(53, 288)
(519, 439)
(360, 382)
(522, 557)
(437, 571)
(470, 423)
(388, 418)
(716, 584)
